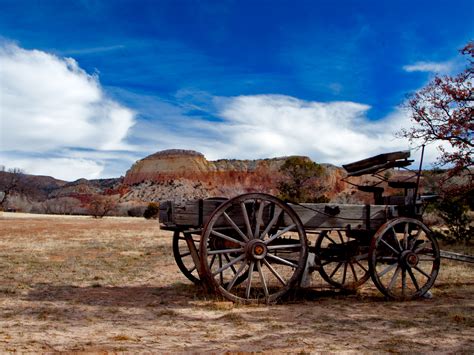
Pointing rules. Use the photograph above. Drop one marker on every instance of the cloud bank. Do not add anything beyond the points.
(261, 126)
(57, 120)
(49, 104)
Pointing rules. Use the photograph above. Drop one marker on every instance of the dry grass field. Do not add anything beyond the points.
(80, 284)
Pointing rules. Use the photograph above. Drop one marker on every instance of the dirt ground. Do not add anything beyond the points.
(84, 285)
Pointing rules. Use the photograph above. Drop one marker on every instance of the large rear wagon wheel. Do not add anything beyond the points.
(255, 239)
(404, 259)
(342, 261)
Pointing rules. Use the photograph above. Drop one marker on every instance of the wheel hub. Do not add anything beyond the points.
(256, 249)
(409, 258)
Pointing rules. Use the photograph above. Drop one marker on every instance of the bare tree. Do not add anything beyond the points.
(443, 111)
(9, 183)
(100, 206)
(61, 205)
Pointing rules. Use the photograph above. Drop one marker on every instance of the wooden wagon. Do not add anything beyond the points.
(256, 247)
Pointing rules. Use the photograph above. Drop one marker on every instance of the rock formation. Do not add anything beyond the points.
(183, 174)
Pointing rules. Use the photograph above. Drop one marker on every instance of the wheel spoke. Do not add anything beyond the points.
(274, 272)
(185, 254)
(422, 272)
(332, 240)
(281, 260)
(225, 251)
(422, 246)
(394, 278)
(236, 276)
(344, 274)
(226, 237)
(259, 220)
(353, 272)
(249, 280)
(287, 246)
(262, 278)
(327, 262)
(228, 260)
(271, 224)
(212, 261)
(404, 282)
(426, 258)
(405, 236)
(361, 257)
(340, 237)
(228, 265)
(389, 268)
(395, 251)
(246, 220)
(361, 266)
(396, 238)
(335, 270)
(232, 223)
(283, 231)
(221, 277)
(415, 239)
(413, 279)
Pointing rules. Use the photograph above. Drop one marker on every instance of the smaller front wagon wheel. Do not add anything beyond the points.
(404, 259)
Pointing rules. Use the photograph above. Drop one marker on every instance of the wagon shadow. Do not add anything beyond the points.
(175, 295)
(178, 295)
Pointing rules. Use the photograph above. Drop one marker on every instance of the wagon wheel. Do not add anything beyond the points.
(254, 238)
(404, 259)
(182, 255)
(342, 261)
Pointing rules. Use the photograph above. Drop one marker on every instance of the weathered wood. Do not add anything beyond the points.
(312, 215)
(350, 216)
(189, 213)
(456, 256)
(376, 160)
(379, 167)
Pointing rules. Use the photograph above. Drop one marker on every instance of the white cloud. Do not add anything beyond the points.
(265, 126)
(49, 106)
(432, 67)
(68, 169)
(275, 125)
(48, 103)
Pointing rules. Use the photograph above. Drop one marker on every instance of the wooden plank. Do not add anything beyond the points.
(456, 256)
(350, 216)
(188, 212)
(385, 166)
(376, 160)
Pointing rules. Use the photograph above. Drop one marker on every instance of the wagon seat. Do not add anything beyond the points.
(376, 166)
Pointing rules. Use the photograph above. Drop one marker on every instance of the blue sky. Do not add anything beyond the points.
(88, 87)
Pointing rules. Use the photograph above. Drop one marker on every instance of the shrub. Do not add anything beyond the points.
(300, 180)
(152, 210)
(454, 212)
(137, 211)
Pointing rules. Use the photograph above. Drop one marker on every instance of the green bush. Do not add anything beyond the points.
(300, 180)
(152, 210)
